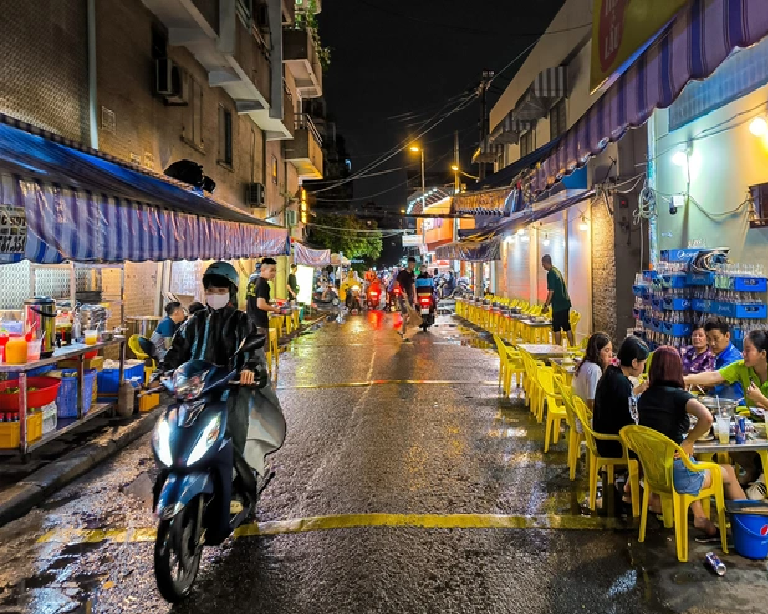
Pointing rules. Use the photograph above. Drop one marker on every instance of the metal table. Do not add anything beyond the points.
(544, 351)
(77, 350)
(710, 448)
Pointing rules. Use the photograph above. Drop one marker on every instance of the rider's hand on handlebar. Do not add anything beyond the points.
(247, 378)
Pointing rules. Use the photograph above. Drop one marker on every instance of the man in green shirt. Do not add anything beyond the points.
(557, 296)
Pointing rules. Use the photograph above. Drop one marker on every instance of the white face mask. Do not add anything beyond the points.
(217, 301)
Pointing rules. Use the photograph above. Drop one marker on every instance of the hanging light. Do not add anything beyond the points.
(758, 126)
(546, 239)
(583, 225)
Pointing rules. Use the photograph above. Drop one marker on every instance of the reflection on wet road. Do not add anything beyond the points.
(405, 485)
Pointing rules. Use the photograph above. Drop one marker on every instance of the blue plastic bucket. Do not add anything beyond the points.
(750, 535)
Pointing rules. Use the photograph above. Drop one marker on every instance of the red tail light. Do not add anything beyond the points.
(424, 300)
(374, 294)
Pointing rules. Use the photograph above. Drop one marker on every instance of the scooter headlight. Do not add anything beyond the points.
(161, 441)
(188, 388)
(207, 438)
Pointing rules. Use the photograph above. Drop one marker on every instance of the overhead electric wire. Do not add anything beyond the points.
(395, 150)
(399, 185)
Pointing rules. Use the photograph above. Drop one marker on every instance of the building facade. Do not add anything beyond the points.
(221, 83)
(594, 242)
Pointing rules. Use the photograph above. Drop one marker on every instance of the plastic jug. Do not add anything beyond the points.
(16, 351)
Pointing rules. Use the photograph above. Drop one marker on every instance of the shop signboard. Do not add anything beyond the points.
(622, 29)
(13, 229)
(413, 240)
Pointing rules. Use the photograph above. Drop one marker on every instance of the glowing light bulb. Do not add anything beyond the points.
(583, 225)
(758, 126)
(680, 158)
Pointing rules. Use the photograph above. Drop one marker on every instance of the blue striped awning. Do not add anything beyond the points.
(695, 43)
(82, 205)
(68, 224)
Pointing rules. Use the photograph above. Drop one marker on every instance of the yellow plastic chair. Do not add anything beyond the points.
(296, 319)
(510, 362)
(574, 437)
(133, 345)
(657, 453)
(597, 462)
(555, 410)
(575, 318)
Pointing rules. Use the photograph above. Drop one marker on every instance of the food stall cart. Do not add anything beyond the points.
(77, 352)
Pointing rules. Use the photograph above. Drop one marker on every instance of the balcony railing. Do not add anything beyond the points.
(304, 122)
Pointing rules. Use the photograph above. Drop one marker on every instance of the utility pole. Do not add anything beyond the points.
(484, 85)
(457, 165)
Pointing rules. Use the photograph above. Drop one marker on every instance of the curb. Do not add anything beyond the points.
(20, 498)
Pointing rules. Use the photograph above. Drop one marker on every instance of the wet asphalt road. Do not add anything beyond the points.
(366, 436)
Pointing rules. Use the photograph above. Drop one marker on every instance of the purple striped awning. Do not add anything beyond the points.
(697, 41)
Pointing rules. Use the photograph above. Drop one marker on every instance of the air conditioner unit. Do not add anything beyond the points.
(254, 194)
(171, 82)
(292, 218)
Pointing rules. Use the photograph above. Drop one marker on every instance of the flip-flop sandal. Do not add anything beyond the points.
(708, 539)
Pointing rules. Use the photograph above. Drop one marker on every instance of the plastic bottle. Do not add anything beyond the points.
(16, 351)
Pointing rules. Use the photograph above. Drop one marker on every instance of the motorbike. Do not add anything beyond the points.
(425, 300)
(205, 488)
(394, 298)
(353, 299)
(374, 297)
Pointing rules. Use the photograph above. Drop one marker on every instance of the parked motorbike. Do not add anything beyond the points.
(425, 299)
(201, 473)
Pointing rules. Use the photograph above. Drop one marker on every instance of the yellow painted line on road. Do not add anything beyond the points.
(355, 521)
(384, 382)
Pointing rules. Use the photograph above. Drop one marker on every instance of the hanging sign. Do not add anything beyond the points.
(13, 229)
(621, 29)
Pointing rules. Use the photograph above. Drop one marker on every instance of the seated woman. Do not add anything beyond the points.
(752, 373)
(166, 329)
(665, 407)
(697, 357)
(611, 407)
(598, 356)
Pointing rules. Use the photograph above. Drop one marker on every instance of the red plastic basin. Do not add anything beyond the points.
(47, 388)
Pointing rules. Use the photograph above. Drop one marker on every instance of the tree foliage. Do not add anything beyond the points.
(343, 238)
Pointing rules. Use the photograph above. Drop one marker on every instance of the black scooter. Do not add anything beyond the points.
(201, 472)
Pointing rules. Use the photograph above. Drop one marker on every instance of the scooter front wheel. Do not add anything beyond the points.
(177, 553)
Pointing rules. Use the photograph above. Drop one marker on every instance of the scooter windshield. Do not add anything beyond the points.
(195, 377)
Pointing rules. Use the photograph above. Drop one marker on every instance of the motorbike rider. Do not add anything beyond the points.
(214, 334)
(405, 278)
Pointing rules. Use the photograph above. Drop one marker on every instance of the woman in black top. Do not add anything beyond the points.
(611, 411)
(665, 407)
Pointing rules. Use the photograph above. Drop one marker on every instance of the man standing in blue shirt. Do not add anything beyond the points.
(719, 339)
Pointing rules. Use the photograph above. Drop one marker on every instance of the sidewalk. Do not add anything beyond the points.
(19, 498)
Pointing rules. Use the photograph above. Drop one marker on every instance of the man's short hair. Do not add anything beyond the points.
(411, 259)
(269, 261)
(546, 259)
(717, 323)
(293, 266)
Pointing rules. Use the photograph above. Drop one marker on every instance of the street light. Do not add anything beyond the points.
(417, 149)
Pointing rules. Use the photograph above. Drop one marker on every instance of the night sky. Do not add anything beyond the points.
(398, 62)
